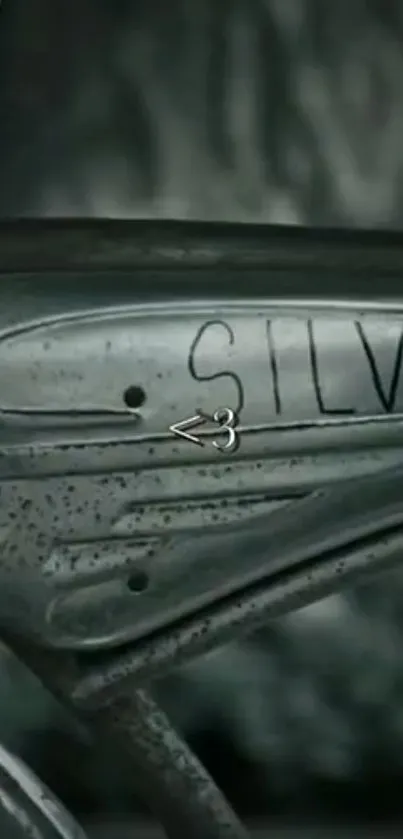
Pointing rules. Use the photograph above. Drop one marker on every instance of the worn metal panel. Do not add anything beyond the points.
(110, 525)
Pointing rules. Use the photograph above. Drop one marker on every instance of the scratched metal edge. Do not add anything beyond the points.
(102, 244)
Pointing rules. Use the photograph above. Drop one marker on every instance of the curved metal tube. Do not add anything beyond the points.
(28, 809)
(178, 789)
(171, 780)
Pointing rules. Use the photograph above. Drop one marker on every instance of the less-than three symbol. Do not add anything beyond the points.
(227, 420)
(192, 422)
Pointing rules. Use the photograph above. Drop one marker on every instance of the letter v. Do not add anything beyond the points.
(387, 400)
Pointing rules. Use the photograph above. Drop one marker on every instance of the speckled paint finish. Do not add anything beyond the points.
(114, 531)
(112, 527)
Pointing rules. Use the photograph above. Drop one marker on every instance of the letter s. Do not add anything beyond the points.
(225, 373)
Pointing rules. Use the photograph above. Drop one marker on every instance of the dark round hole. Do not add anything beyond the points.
(134, 396)
(137, 582)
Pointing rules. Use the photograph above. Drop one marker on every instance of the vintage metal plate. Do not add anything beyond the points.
(111, 525)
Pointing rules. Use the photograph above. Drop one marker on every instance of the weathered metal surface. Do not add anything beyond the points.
(177, 789)
(183, 795)
(328, 540)
(28, 245)
(111, 528)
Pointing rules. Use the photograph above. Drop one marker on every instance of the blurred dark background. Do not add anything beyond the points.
(283, 111)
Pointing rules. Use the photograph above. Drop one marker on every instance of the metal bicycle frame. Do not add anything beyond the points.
(108, 688)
